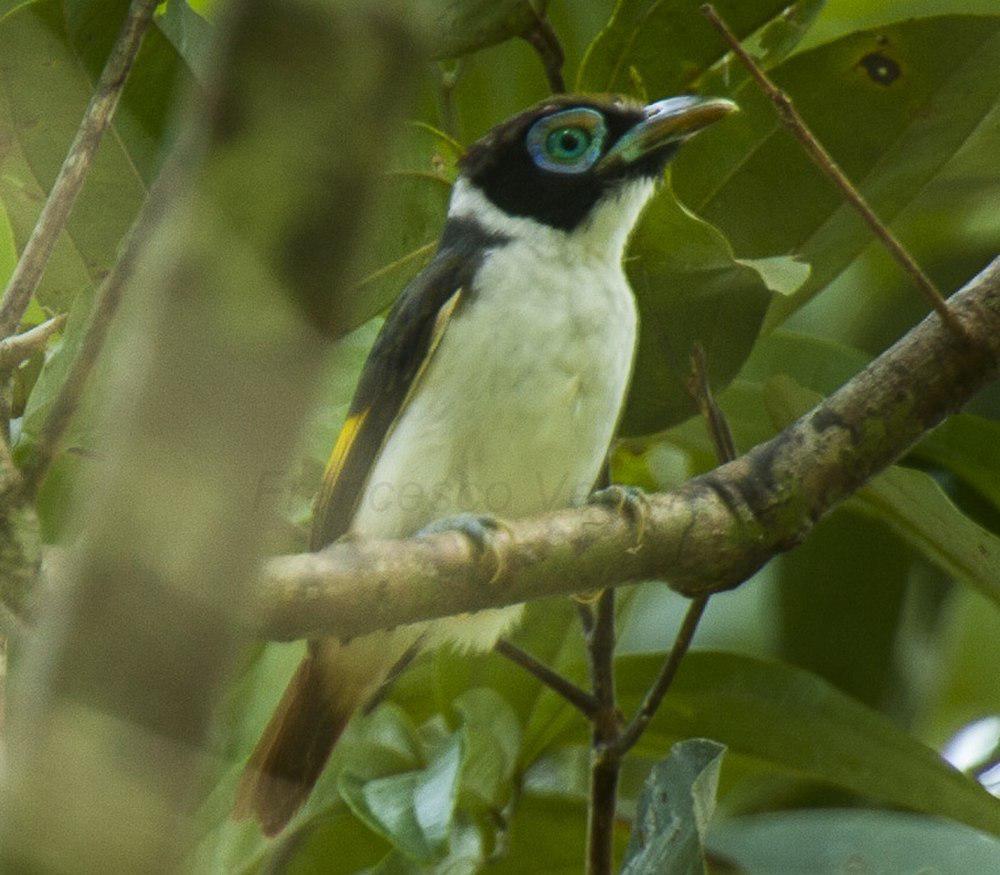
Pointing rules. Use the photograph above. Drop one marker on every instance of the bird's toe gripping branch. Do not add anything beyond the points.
(480, 529)
(629, 501)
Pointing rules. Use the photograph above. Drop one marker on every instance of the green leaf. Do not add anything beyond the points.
(491, 745)
(813, 362)
(969, 447)
(337, 842)
(50, 56)
(834, 842)
(796, 723)
(187, 31)
(675, 808)
(917, 509)
(548, 834)
(669, 42)
(412, 809)
(845, 17)
(891, 132)
(840, 603)
(783, 274)
(690, 288)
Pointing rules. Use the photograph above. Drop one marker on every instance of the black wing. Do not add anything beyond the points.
(401, 351)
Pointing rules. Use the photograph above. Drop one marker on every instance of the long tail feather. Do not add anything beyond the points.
(291, 754)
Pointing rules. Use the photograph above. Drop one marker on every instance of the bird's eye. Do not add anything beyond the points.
(567, 142)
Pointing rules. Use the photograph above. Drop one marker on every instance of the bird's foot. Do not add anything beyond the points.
(630, 501)
(480, 529)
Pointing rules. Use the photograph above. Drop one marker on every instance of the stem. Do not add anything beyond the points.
(654, 696)
(31, 265)
(577, 697)
(20, 347)
(701, 390)
(791, 119)
(605, 763)
(541, 36)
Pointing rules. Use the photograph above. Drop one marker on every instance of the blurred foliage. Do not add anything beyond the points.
(834, 675)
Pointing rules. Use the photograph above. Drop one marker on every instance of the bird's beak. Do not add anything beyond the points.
(667, 121)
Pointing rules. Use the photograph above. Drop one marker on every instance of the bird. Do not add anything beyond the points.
(492, 390)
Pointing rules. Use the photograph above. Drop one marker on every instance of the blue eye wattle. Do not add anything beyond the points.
(567, 142)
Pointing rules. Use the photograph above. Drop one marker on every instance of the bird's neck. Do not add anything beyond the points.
(600, 237)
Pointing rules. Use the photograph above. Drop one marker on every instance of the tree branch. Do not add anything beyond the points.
(542, 37)
(577, 697)
(605, 764)
(101, 109)
(709, 535)
(20, 347)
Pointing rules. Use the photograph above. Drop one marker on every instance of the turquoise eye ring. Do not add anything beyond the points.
(568, 142)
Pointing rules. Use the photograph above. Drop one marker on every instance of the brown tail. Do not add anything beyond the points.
(291, 753)
(331, 683)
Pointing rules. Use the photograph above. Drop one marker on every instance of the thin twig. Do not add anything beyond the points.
(449, 112)
(700, 388)
(576, 696)
(605, 764)
(106, 304)
(654, 696)
(101, 109)
(791, 119)
(545, 41)
(20, 347)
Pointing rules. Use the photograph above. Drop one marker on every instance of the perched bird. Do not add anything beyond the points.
(493, 388)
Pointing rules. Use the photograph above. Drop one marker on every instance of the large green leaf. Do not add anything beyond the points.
(690, 288)
(797, 723)
(675, 808)
(919, 511)
(50, 56)
(667, 43)
(969, 447)
(833, 842)
(843, 17)
(892, 106)
(840, 605)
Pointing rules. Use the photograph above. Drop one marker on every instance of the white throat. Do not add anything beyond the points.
(602, 235)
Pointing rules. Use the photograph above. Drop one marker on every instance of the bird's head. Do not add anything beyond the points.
(580, 165)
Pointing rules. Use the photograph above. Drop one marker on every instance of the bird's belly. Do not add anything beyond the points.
(509, 421)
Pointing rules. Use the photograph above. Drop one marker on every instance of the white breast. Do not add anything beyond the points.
(516, 410)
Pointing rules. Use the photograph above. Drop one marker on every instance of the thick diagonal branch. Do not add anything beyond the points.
(710, 534)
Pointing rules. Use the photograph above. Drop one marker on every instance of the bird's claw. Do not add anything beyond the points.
(630, 501)
(480, 529)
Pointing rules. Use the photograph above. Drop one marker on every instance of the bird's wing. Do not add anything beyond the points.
(411, 333)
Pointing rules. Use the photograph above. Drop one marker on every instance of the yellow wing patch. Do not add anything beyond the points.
(341, 449)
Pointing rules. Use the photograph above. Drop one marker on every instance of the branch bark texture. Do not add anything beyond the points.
(709, 535)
